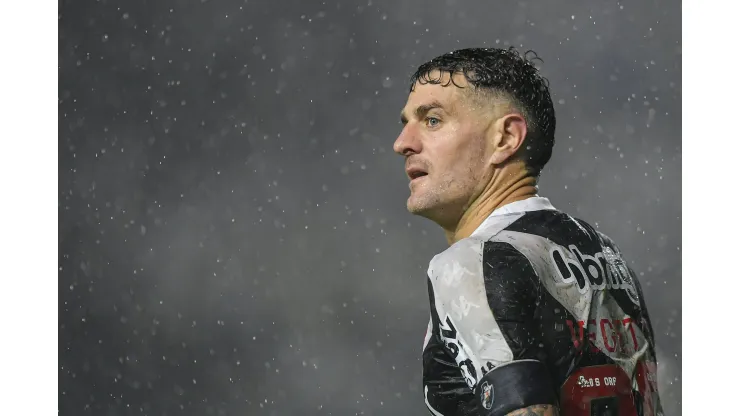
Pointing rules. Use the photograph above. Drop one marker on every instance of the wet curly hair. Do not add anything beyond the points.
(507, 73)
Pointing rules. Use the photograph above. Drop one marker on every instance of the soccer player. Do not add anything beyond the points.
(533, 312)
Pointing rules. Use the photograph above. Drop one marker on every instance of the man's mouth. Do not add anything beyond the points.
(417, 175)
(414, 174)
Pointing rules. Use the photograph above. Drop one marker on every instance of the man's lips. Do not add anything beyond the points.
(415, 173)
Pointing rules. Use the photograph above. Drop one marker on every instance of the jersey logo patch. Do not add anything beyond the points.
(454, 272)
(462, 308)
(486, 395)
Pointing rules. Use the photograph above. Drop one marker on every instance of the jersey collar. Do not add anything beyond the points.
(534, 203)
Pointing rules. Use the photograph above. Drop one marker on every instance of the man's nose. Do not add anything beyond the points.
(407, 142)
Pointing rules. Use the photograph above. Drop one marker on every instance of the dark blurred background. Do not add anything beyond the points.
(233, 237)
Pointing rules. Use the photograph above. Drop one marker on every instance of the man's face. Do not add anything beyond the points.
(444, 143)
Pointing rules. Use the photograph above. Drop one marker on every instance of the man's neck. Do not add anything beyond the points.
(509, 184)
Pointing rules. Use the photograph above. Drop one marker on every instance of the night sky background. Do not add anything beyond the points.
(233, 238)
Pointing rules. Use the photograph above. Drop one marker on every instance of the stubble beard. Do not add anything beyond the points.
(437, 201)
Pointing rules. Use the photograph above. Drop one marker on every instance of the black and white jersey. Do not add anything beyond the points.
(537, 307)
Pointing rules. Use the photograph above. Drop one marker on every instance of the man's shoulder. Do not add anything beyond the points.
(461, 261)
(468, 250)
(608, 242)
(467, 257)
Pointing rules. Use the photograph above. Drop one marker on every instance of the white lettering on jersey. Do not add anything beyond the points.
(602, 270)
(458, 350)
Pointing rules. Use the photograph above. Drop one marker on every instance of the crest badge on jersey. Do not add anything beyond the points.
(486, 395)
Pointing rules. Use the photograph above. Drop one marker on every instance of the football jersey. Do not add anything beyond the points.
(537, 307)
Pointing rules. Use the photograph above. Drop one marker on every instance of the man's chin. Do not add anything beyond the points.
(417, 207)
(433, 210)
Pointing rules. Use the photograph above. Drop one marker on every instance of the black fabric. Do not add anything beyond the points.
(535, 326)
(512, 287)
(514, 386)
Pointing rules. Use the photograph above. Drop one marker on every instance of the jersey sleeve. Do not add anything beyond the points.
(486, 295)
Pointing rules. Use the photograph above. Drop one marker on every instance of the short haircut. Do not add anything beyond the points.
(504, 72)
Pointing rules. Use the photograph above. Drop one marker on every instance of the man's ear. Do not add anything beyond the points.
(509, 132)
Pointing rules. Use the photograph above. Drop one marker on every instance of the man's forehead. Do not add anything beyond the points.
(444, 93)
(449, 96)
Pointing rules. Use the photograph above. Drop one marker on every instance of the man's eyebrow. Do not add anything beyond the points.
(422, 110)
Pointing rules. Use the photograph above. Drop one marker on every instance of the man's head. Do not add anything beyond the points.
(469, 113)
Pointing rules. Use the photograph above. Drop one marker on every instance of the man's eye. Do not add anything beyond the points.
(432, 121)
